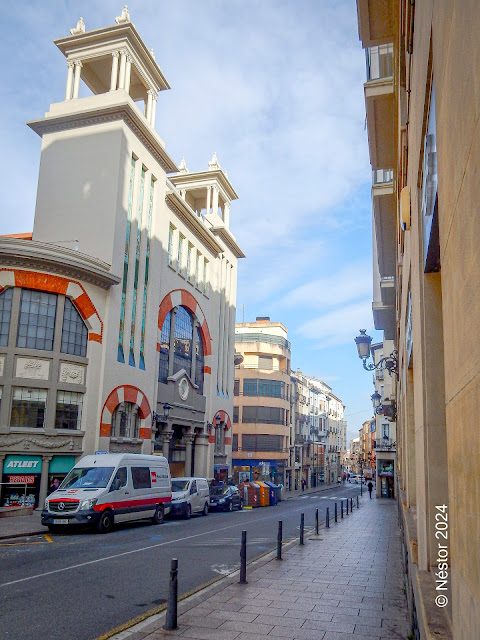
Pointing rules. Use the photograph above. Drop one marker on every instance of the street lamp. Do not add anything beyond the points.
(388, 407)
(390, 363)
(166, 412)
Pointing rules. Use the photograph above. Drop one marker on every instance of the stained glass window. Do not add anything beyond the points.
(199, 361)
(131, 357)
(74, 331)
(120, 356)
(6, 298)
(147, 266)
(164, 349)
(36, 325)
(182, 356)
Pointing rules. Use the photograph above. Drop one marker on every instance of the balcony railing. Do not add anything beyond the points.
(385, 444)
(262, 337)
(382, 176)
(379, 61)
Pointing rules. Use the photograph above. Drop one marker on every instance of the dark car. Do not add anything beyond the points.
(225, 498)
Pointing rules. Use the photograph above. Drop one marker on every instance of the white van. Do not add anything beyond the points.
(190, 495)
(107, 488)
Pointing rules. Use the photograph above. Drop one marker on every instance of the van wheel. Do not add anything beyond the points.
(105, 524)
(205, 509)
(159, 516)
(188, 512)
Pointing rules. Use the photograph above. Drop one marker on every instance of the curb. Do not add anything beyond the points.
(24, 535)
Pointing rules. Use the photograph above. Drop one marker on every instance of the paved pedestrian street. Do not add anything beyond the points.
(347, 584)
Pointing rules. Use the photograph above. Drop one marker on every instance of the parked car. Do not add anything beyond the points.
(225, 498)
(189, 496)
(354, 479)
(115, 487)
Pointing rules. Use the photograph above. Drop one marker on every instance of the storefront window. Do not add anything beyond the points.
(28, 408)
(21, 481)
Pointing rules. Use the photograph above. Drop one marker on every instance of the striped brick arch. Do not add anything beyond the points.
(185, 299)
(57, 284)
(125, 393)
(228, 426)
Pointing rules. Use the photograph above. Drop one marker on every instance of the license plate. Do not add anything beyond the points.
(61, 522)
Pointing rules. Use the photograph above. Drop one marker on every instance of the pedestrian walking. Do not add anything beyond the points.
(303, 484)
(370, 487)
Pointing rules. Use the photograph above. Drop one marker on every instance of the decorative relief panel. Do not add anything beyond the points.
(26, 443)
(2, 364)
(71, 373)
(32, 368)
(125, 447)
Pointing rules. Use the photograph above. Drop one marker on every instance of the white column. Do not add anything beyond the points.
(209, 192)
(123, 64)
(154, 109)
(128, 70)
(226, 214)
(215, 201)
(114, 75)
(76, 84)
(68, 90)
(149, 104)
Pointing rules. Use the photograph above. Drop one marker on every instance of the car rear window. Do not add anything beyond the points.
(141, 478)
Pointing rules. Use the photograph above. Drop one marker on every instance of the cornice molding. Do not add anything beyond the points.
(177, 205)
(224, 234)
(55, 259)
(124, 111)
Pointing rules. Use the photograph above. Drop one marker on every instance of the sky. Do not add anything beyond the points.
(275, 88)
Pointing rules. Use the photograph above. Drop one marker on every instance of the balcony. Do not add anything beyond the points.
(375, 21)
(380, 105)
(385, 444)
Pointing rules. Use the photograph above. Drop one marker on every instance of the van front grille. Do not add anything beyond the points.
(65, 508)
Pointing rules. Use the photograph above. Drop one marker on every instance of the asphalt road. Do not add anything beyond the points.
(81, 585)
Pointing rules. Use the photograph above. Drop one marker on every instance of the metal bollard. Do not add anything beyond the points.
(351, 505)
(316, 522)
(347, 506)
(336, 518)
(171, 618)
(341, 509)
(357, 502)
(327, 518)
(279, 540)
(243, 559)
(302, 527)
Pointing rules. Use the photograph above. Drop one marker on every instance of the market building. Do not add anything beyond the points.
(117, 312)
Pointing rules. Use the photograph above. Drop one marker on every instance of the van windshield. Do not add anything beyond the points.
(179, 485)
(88, 478)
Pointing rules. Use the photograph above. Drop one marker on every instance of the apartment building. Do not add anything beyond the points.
(117, 312)
(421, 95)
(261, 418)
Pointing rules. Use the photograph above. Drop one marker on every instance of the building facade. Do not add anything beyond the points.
(422, 119)
(117, 312)
(261, 448)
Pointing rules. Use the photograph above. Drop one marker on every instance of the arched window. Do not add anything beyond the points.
(36, 324)
(185, 350)
(126, 421)
(74, 331)
(182, 345)
(164, 349)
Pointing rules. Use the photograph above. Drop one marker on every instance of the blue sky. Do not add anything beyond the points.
(275, 88)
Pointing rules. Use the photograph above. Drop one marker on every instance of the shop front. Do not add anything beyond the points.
(21, 481)
(57, 470)
(265, 470)
(386, 478)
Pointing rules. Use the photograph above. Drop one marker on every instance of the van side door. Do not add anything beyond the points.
(193, 497)
(118, 495)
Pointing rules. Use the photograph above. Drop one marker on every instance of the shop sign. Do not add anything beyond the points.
(22, 464)
(21, 479)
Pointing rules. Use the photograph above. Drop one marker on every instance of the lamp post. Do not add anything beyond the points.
(388, 407)
(390, 363)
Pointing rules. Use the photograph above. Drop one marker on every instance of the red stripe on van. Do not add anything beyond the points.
(63, 500)
(130, 503)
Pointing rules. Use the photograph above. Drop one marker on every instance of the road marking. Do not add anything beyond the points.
(125, 553)
(47, 538)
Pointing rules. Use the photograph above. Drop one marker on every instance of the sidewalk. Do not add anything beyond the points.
(21, 526)
(345, 585)
(295, 493)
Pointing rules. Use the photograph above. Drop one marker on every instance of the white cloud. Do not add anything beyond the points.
(339, 326)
